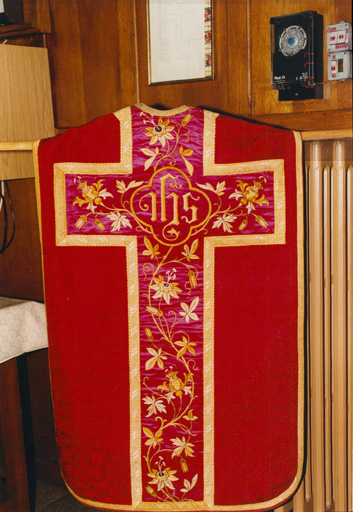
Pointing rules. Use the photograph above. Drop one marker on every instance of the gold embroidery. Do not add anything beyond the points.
(170, 237)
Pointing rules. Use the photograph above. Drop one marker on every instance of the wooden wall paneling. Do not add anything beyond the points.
(64, 46)
(212, 94)
(37, 13)
(127, 58)
(98, 30)
(310, 120)
(20, 264)
(108, 55)
(337, 95)
(239, 48)
(92, 52)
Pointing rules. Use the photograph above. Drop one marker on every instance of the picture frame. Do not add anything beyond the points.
(180, 41)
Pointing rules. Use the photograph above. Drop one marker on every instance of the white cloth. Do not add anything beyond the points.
(23, 327)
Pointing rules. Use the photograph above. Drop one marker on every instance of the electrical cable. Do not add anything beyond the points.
(3, 206)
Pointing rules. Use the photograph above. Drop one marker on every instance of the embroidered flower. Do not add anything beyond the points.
(157, 357)
(155, 405)
(182, 446)
(92, 195)
(188, 312)
(160, 132)
(249, 194)
(165, 289)
(225, 221)
(119, 220)
(163, 478)
(176, 385)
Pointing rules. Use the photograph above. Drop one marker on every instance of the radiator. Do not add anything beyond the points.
(327, 481)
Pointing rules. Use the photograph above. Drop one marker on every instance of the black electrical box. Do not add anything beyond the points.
(297, 55)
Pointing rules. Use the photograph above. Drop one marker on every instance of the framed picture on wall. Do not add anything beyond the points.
(180, 40)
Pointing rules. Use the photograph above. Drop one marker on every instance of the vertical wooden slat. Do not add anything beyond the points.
(327, 329)
(339, 331)
(316, 325)
(350, 330)
(307, 479)
(287, 507)
(299, 499)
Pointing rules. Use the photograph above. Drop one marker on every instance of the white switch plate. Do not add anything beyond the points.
(340, 66)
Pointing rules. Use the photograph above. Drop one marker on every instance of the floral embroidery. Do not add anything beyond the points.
(169, 214)
(160, 132)
(92, 195)
(165, 289)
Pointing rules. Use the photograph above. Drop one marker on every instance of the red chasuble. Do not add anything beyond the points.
(173, 267)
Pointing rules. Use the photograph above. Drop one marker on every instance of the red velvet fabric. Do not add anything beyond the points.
(258, 333)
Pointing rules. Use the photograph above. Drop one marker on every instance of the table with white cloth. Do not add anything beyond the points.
(22, 329)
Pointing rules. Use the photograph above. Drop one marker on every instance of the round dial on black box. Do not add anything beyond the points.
(292, 40)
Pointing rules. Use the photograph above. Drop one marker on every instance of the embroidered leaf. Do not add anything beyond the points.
(157, 358)
(182, 445)
(194, 246)
(120, 185)
(220, 188)
(188, 486)
(207, 186)
(173, 232)
(225, 222)
(119, 221)
(250, 207)
(148, 152)
(262, 200)
(151, 251)
(186, 345)
(154, 405)
(188, 310)
(153, 439)
(152, 154)
(189, 166)
(134, 184)
(185, 152)
(104, 193)
(148, 432)
(189, 253)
